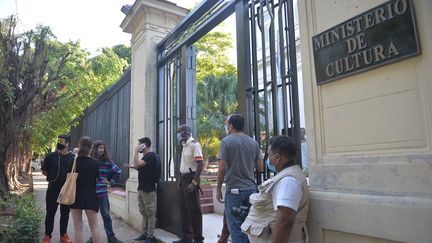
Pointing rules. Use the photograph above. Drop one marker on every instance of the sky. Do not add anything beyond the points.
(95, 23)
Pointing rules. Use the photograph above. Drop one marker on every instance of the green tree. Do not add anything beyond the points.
(216, 89)
(45, 86)
(35, 71)
(212, 55)
(124, 52)
(100, 72)
(216, 99)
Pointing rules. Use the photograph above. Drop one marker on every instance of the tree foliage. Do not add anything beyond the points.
(216, 99)
(216, 89)
(124, 52)
(44, 86)
(212, 55)
(98, 73)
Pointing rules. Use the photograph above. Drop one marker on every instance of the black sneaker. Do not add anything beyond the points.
(141, 237)
(113, 239)
(89, 240)
(150, 239)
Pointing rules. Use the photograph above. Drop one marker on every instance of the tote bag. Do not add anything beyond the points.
(68, 191)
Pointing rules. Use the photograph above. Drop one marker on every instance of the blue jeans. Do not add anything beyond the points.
(236, 200)
(104, 208)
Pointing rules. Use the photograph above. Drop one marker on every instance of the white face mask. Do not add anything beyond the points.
(226, 129)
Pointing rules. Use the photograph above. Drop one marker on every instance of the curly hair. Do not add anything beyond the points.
(94, 151)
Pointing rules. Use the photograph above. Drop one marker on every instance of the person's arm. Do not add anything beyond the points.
(220, 179)
(138, 163)
(286, 195)
(194, 183)
(115, 173)
(259, 164)
(285, 218)
(45, 166)
(223, 160)
(198, 157)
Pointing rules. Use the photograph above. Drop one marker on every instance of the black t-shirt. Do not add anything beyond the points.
(57, 166)
(146, 174)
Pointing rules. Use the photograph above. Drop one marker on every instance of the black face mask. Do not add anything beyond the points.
(60, 146)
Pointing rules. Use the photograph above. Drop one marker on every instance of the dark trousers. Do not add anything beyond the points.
(190, 209)
(51, 209)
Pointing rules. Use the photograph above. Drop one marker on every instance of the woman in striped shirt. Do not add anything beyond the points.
(109, 173)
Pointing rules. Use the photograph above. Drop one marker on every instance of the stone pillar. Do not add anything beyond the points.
(369, 138)
(149, 21)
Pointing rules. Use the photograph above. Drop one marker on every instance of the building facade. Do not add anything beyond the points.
(369, 134)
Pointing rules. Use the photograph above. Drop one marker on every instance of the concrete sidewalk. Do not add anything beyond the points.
(212, 223)
(123, 231)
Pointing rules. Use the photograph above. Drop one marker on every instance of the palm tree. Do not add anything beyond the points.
(216, 98)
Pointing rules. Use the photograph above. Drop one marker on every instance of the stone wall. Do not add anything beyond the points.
(369, 138)
(149, 21)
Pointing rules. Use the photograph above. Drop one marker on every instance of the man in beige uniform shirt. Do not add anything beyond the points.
(191, 165)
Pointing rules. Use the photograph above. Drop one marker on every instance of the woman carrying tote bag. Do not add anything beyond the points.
(85, 199)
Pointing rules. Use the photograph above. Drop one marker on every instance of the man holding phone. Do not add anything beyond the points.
(149, 171)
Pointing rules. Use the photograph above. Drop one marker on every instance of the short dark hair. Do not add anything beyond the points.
(146, 141)
(237, 121)
(66, 137)
(283, 145)
(185, 128)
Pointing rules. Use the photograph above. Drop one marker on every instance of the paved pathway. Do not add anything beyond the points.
(212, 223)
(123, 231)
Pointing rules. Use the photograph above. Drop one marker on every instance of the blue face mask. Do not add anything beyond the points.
(179, 137)
(270, 167)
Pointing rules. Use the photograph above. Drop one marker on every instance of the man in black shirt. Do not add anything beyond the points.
(55, 167)
(148, 175)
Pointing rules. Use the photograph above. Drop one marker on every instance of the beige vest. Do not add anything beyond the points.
(262, 215)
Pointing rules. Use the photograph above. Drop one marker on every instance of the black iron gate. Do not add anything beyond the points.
(267, 81)
(274, 88)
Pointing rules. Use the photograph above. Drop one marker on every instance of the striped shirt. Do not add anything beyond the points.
(110, 171)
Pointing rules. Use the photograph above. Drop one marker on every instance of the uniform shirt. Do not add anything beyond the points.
(287, 193)
(191, 154)
(110, 171)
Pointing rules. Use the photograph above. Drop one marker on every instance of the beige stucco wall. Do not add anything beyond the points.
(369, 138)
(149, 22)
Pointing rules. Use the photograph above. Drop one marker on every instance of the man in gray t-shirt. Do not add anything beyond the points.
(239, 155)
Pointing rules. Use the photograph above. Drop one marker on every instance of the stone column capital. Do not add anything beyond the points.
(152, 15)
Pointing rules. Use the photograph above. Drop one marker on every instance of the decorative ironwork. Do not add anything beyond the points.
(274, 85)
(267, 72)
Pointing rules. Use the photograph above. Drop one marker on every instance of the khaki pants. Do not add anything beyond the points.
(147, 206)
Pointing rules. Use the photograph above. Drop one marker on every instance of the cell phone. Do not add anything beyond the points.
(142, 147)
